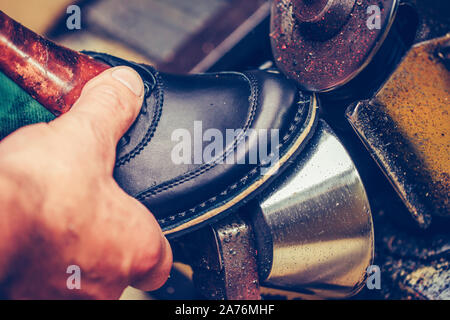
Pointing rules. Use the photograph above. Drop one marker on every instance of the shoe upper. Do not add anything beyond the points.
(204, 144)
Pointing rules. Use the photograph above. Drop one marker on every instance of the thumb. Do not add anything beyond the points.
(108, 105)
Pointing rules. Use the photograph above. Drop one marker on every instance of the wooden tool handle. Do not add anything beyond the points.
(51, 74)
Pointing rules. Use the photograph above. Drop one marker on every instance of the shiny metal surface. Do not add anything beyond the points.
(314, 229)
(223, 259)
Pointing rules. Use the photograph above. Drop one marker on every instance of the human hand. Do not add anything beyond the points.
(62, 207)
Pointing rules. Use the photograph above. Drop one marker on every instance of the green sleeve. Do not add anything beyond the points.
(18, 108)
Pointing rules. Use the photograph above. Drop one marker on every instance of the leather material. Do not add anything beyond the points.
(183, 196)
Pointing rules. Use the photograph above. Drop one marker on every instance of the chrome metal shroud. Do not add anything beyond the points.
(314, 230)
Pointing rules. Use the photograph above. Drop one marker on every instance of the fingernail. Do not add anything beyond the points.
(130, 79)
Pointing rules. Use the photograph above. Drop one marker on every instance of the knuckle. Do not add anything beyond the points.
(151, 257)
(115, 101)
(155, 253)
(106, 95)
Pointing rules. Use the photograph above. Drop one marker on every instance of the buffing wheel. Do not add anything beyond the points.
(325, 44)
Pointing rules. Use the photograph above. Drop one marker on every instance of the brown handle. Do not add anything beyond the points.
(51, 74)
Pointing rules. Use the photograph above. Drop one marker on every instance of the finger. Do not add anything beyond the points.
(151, 253)
(107, 106)
(159, 274)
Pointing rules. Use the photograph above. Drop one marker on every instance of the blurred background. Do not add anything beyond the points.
(173, 35)
(191, 36)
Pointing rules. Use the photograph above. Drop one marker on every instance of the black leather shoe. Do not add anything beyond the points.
(186, 195)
